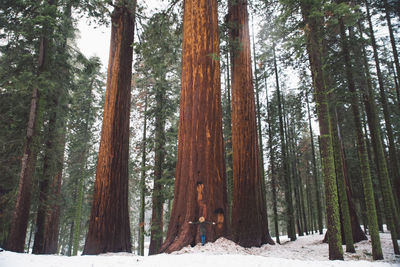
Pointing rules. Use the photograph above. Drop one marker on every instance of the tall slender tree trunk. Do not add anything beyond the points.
(393, 43)
(143, 182)
(358, 234)
(228, 138)
(249, 218)
(379, 153)
(159, 150)
(293, 168)
(109, 220)
(302, 202)
(76, 229)
(364, 164)
(45, 181)
(314, 171)
(394, 166)
(313, 34)
(200, 184)
(375, 182)
(19, 223)
(284, 173)
(346, 230)
(272, 166)
(53, 217)
(396, 84)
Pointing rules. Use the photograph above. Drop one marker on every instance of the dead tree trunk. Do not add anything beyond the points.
(109, 219)
(200, 186)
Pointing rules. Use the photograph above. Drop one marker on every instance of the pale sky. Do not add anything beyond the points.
(95, 40)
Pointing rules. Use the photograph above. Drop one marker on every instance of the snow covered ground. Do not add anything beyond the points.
(307, 251)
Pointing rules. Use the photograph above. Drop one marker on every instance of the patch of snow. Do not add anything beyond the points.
(306, 251)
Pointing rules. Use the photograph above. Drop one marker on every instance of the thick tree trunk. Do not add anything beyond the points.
(284, 173)
(109, 219)
(259, 126)
(249, 218)
(313, 34)
(314, 172)
(200, 185)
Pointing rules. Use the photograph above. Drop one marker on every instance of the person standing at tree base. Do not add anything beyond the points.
(202, 222)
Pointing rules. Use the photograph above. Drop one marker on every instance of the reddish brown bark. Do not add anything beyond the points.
(200, 186)
(19, 223)
(109, 219)
(53, 218)
(249, 220)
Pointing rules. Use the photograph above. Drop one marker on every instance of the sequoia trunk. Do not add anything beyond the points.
(249, 220)
(200, 184)
(109, 219)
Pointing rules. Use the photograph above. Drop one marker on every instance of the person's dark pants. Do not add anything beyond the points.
(203, 239)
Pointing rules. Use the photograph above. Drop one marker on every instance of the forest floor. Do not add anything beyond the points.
(307, 251)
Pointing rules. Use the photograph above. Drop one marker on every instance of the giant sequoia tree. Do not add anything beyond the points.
(249, 220)
(200, 186)
(109, 219)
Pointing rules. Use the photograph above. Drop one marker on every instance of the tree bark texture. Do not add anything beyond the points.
(109, 219)
(313, 30)
(200, 184)
(358, 233)
(314, 172)
(346, 229)
(19, 223)
(249, 218)
(383, 175)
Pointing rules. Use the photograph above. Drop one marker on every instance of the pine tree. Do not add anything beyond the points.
(313, 36)
(16, 238)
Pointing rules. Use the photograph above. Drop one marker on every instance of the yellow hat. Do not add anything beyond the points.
(201, 219)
